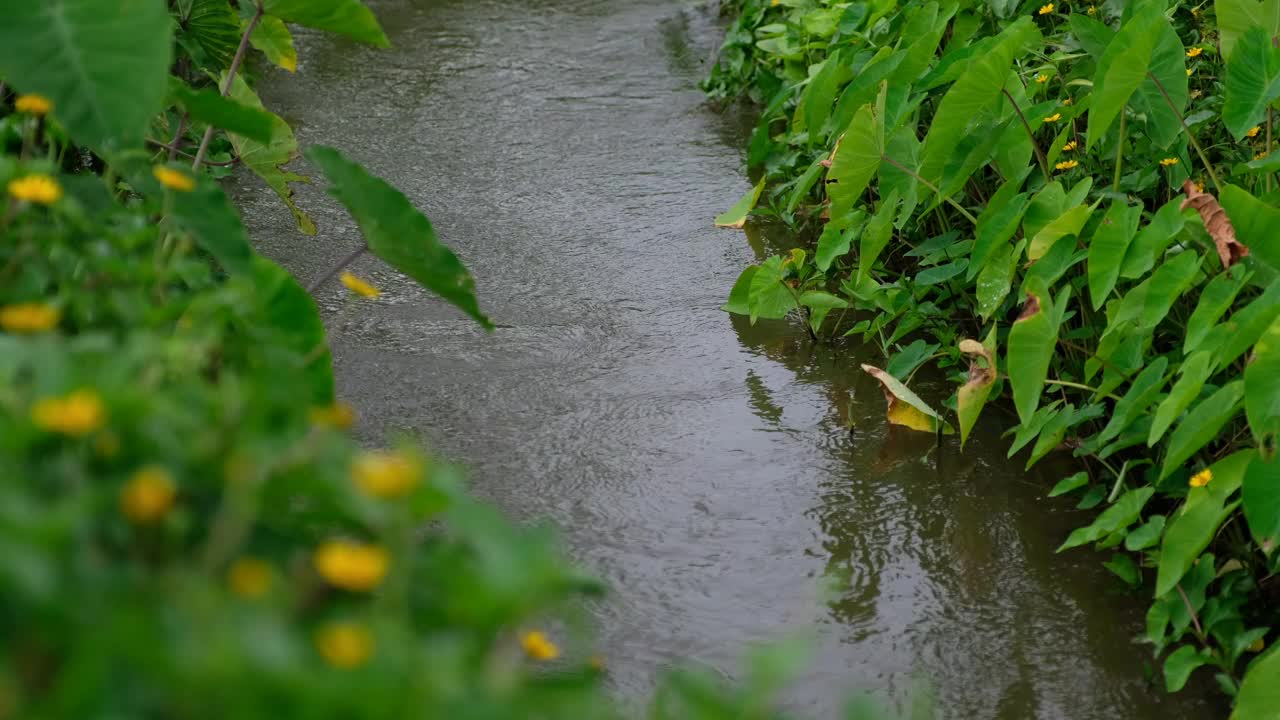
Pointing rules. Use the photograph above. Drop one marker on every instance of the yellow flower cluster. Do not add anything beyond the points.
(345, 645)
(351, 565)
(38, 189)
(538, 646)
(29, 317)
(1070, 146)
(148, 495)
(33, 104)
(1066, 165)
(1042, 78)
(358, 286)
(1201, 478)
(1194, 52)
(1046, 9)
(76, 414)
(386, 475)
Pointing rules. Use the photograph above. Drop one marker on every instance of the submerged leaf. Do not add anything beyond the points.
(905, 407)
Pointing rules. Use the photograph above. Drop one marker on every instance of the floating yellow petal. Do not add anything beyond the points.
(352, 566)
(358, 286)
(148, 495)
(77, 414)
(537, 646)
(344, 645)
(174, 179)
(386, 475)
(29, 317)
(33, 104)
(39, 189)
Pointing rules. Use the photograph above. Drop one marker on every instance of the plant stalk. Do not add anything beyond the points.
(960, 208)
(1040, 156)
(1115, 185)
(226, 86)
(1190, 136)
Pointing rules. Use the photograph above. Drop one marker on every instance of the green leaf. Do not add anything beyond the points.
(1215, 299)
(854, 161)
(1068, 223)
(1247, 325)
(1252, 81)
(1141, 394)
(1145, 535)
(972, 396)
(819, 96)
(1235, 17)
(905, 407)
(801, 187)
(1259, 694)
(266, 159)
(1179, 666)
(1123, 567)
(876, 236)
(1261, 496)
(292, 313)
(1045, 207)
(1032, 341)
(1120, 515)
(1194, 372)
(272, 38)
(996, 278)
(1169, 66)
(836, 239)
(740, 296)
(1202, 425)
(997, 223)
(1107, 248)
(770, 298)
(1121, 70)
(212, 26)
(1255, 223)
(103, 63)
(736, 216)
(1150, 244)
(1192, 528)
(397, 232)
(904, 148)
(941, 273)
(206, 213)
(1069, 484)
(344, 17)
(209, 107)
(1262, 389)
(823, 300)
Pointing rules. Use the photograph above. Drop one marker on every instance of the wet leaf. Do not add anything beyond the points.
(736, 216)
(905, 407)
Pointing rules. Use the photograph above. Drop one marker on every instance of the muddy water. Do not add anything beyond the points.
(706, 468)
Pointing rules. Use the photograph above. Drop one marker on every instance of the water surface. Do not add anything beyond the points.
(712, 472)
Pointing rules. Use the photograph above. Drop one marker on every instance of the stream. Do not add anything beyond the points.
(711, 471)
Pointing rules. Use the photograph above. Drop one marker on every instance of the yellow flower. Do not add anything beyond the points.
(1194, 52)
(386, 475)
(1042, 78)
(1066, 165)
(33, 104)
(344, 645)
(29, 317)
(148, 495)
(174, 179)
(1070, 146)
(1092, 10)
(358, 286)
(77, 414)
(1260, 155)
(39, 189)
(1046, 9)
(1188, 72)
(537, 646)
(1200, 185)
(338, 415)
(1067, 102)
(1169, 161)
(351, 565)
(1201, 478)
(1253, 131)
(250, 577)
(1054, 117)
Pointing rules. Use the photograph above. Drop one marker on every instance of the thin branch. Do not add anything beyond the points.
(313, 287)
(175, 151)
(969, 216)
(1190, 136)
(231, 77)
(1044, 161)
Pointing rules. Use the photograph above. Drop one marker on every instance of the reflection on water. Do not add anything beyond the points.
(714, 472)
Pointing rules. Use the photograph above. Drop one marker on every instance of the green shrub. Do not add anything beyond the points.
(1026, 196)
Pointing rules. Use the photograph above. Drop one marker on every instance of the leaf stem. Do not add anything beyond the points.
(231, 77)
(1190, 136)
(313, 287)
(968, 216)
(1115, 185)
(1078, 386)
(1044, 161)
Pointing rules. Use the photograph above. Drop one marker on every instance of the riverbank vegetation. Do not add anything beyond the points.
(187, 528)
(1070, 207)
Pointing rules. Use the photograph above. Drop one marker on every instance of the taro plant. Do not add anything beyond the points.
(1071, 207)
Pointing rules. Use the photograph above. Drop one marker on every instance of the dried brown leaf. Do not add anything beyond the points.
(1214, 217)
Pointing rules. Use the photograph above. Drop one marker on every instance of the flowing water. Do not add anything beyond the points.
(704, 467)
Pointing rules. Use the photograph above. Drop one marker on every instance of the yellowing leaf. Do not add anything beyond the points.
(905, 407)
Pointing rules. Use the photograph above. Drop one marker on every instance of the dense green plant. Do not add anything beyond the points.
(1026, 195)
(186, 528)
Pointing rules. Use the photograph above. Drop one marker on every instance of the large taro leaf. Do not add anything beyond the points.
(1201, 425)
(210, 107)
(905, 407)
(1169, 68)
(1195, 370)
(292, 313)
(1259, 694)
(212, 28)
(266, 159)
(272, 38)
(769, 296)
(1122, 69)
(972, 396)
(876, 235)
(1235, 17)
(1068, 223)
(1254, 222)
(1120, 515)
(103, 63)
(1031, 345)
(1190, 530)
(205, 212)
(1262, 390)
(854, 161)
(1107, 248)
(397, 232)
(345, 17)
(1215, 299)
(736, 216)
(1261, 496)
(1252, 81)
